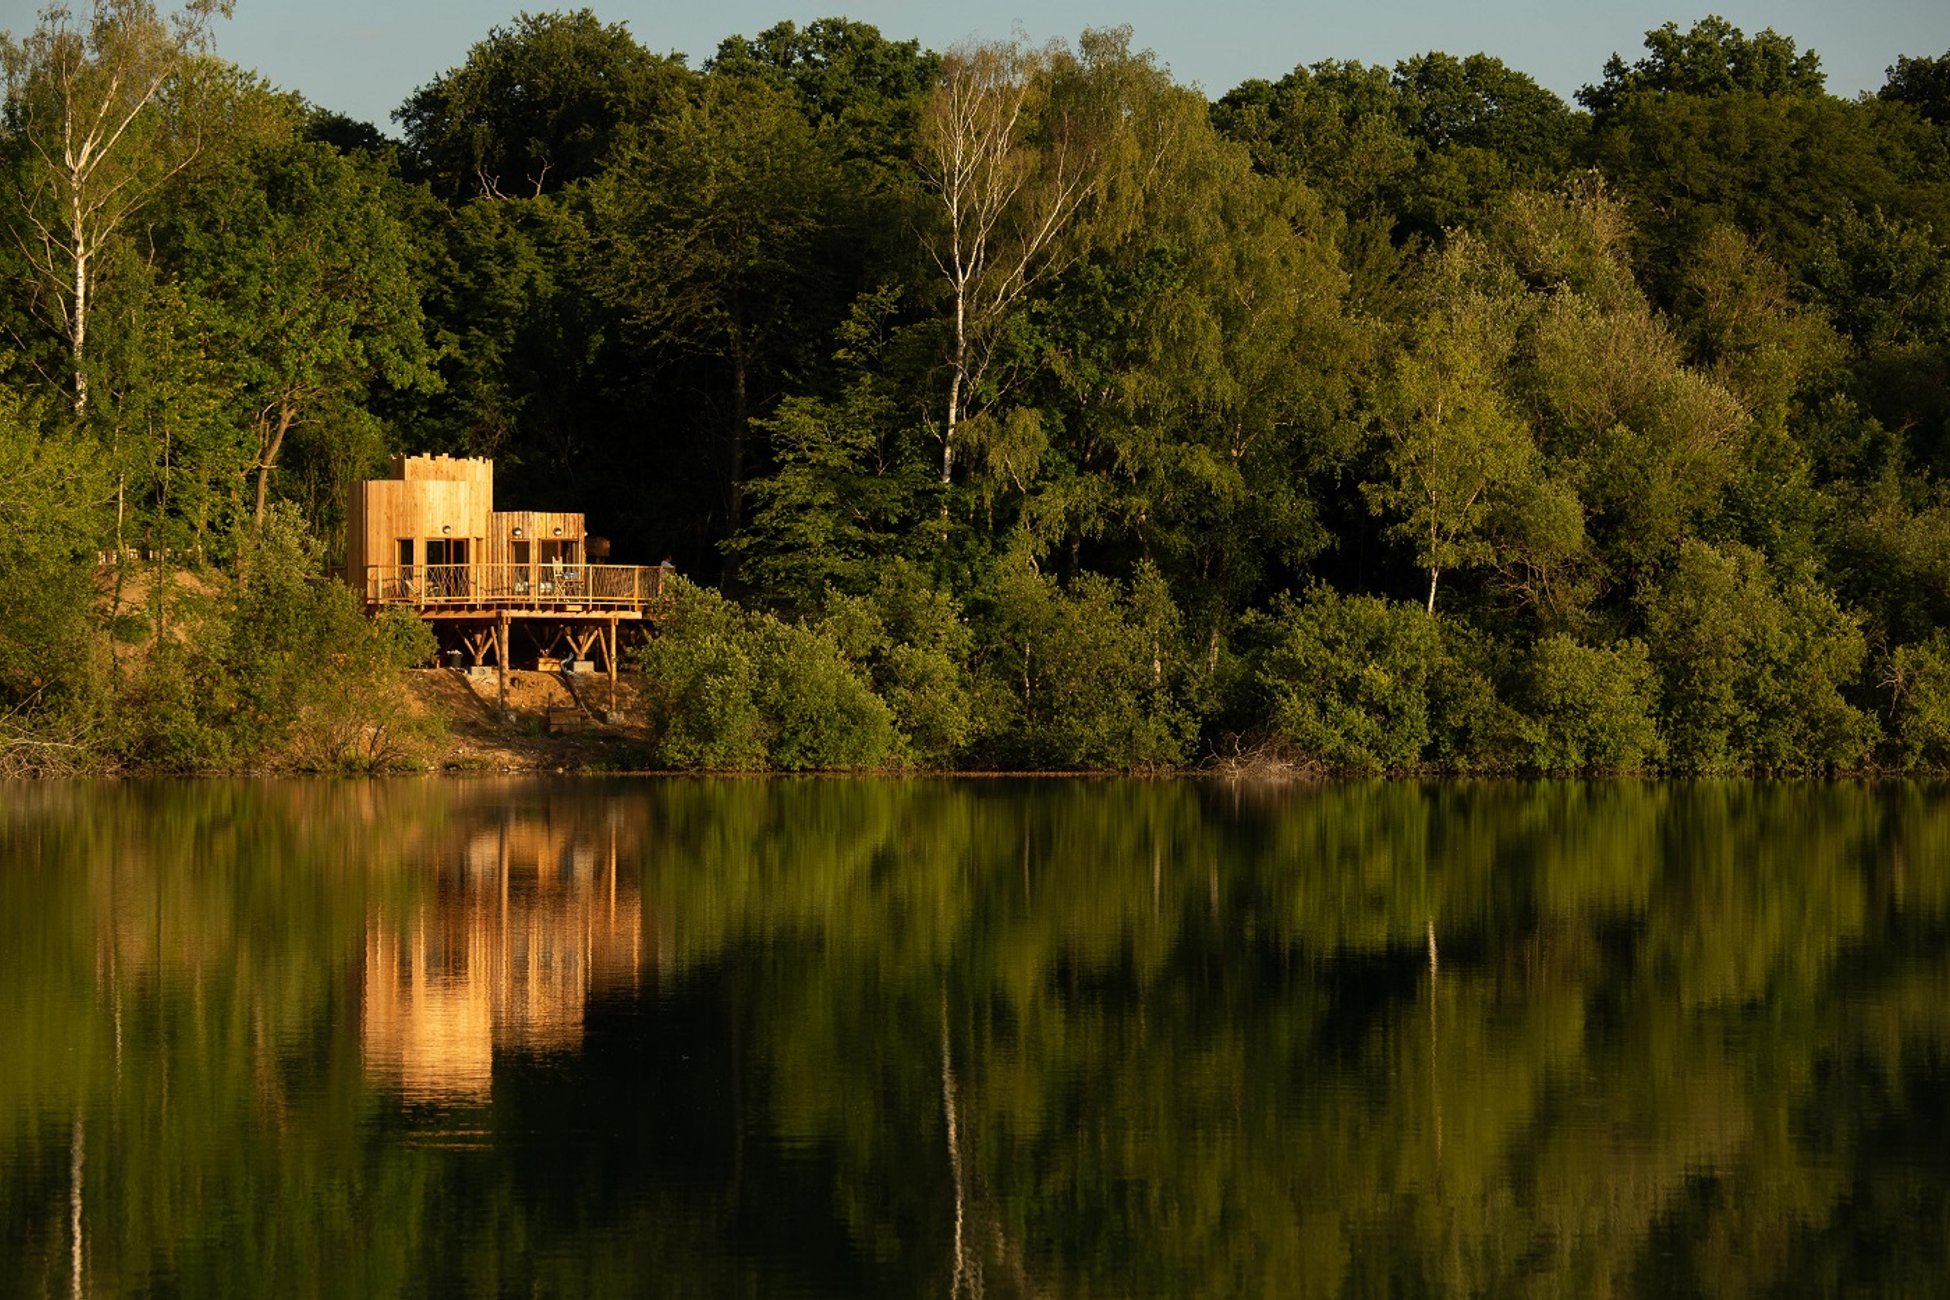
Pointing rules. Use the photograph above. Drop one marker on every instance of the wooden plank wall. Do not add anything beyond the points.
(384, 510)
(537, 526)
(427, 493)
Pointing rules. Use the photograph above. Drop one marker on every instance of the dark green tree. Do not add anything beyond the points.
(1712, 57)
(1923, 84)
(710, 231)
(862, 90)
(307, 274)
(536, 106)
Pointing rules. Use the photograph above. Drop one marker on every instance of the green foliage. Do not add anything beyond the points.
(102, 110)
(1747, 331)
(309, 300)
(284, 672)
(700, 685)
(1347, 680)
(1106, 370)
(1919, 686)
(1083, 675)
(708, 219)
(1712, 57)
(851, 480)
(182, 441)
(50, 495)
(1777, 167)
(1885, 283)
(908, 640)
(1203, 369)
(1425, 149)
(1335, 125)
(820, 715)
(536, 106)
(1455, 444)
(1473, 726)
(1752, 669)
(860, 89)
(729, 690)
(1921, 83)
(1590, 708)
(1891, 550)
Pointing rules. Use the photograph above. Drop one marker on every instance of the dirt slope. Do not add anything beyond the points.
(544, 729)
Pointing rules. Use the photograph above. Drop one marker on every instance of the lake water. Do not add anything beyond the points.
(942, 1038)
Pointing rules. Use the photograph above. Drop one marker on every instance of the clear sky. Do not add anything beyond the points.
(363, 57)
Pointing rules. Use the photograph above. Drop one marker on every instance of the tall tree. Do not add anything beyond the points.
(1006, 172)
(536, 106)
(712, 220)
(1923, 84)
(84, 103)
(843, 71)
(1196, 369)
(1711, 57)
(1454, 440)
(306, 269)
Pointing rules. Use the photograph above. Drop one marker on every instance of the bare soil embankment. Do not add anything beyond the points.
(552, 722)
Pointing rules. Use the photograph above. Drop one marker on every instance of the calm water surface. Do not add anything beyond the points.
(981, 1038)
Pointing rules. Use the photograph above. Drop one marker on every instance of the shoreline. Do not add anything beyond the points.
(549, 728)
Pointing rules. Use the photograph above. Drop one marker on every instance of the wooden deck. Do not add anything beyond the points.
(528, 590)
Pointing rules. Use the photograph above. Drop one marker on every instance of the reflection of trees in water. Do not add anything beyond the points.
(1130, 1037)
(1226, 1065)
(526, 922)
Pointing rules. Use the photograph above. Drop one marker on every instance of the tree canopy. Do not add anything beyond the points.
(1169, 404)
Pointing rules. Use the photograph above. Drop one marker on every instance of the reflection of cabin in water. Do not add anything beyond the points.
(527, 924)
(429, 539)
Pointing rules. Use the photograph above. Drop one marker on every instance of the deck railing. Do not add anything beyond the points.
(518, 586)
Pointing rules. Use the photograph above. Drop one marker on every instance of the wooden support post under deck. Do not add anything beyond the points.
(609, 653)
(501, 656)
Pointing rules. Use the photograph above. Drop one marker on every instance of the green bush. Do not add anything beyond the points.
(909, 641)
(700, 686)
(1347, 681)
(1472, 726)
(735, 691)
(1083, 676)
(821, 716)
(283, 671)
(177, 715)
(1920, 685)
(50, 494)
(1751, 671)
(1590, 707)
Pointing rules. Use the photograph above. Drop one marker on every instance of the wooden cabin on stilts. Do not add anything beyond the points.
(497, 585)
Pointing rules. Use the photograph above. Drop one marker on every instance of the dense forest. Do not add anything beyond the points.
(1012, 406)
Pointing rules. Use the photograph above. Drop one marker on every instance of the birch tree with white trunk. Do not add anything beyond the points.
(1007, 170)
(85, 99)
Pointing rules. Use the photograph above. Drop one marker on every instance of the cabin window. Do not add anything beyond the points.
(447, 574)
(518, 556)
(406, 552)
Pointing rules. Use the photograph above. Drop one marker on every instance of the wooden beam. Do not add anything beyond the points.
(583, 640)
(609, 654)
(477, 643)
(501, 645)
